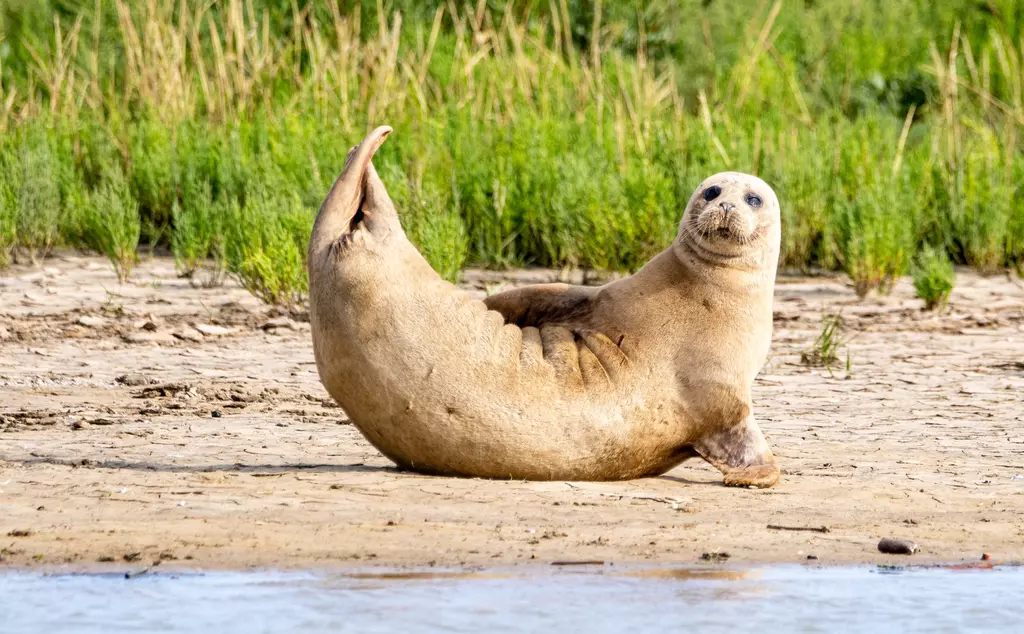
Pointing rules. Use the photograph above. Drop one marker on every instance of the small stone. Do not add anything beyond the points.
(894, 546)
(150, 326)
(214, 331)
(187, 334)
(715, 556)
(133, 380)
(812, 557)
(215, 413)
(986, 557)
(279, 323)
(149, 337)
(4, 334)
(91, 322)
(20, 532)
(132, 556)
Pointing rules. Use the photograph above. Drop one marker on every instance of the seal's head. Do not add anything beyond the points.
(732, 218)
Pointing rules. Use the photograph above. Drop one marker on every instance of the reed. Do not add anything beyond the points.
(551, 133)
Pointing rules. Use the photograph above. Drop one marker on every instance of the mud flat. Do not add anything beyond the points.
(156, 422)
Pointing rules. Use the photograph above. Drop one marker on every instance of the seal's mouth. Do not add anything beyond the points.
(727, 239)
(725, 234)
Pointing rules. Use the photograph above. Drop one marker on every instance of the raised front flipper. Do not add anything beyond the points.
(742, 454)
(540, 304)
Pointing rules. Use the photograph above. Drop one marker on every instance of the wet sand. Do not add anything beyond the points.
(224, 451)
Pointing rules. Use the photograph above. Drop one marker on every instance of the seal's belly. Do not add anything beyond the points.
(463, 393)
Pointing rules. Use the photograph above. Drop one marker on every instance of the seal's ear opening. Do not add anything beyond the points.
(342, 209)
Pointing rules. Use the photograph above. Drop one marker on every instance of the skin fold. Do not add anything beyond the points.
(549, 381)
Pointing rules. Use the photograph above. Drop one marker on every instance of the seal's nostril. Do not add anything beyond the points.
(727, 207)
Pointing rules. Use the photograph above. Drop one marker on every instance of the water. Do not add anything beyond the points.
(532, 599)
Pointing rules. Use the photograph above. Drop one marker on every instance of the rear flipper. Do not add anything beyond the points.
(742, 454)
(357, 201)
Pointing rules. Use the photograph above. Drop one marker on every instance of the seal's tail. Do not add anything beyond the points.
(357, 200)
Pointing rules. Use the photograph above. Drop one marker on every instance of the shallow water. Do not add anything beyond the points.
(532, 599)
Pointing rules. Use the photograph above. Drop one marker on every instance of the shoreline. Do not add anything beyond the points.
(225, 448)
(412, 571)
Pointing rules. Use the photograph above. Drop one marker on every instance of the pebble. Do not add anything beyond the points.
(133, 380)
(4, 334)
(188, 334)
(214, 331)
(149, 337)
(895, 546)
(280, 322)
(91, 322)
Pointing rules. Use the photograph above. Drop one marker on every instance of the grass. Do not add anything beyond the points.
(8, 220)
(33, 180)
(564, 134)
(111, 224)
(266, 247)
(825, 350)
(199, 240)
(933, 277)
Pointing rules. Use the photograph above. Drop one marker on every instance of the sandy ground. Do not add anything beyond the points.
(223, 451)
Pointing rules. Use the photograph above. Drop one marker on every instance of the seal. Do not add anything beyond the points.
(551, 381)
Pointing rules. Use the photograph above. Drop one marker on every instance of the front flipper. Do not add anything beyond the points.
(540, 304)
(742, 454)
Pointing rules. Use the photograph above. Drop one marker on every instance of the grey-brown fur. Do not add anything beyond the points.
(548, 381)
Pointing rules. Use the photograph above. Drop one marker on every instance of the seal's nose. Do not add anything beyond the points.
(727, 207)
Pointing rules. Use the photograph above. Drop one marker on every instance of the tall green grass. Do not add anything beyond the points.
(111, 223)
(933, 277)
(560, 133)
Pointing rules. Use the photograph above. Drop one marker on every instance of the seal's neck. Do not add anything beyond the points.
(752, 270)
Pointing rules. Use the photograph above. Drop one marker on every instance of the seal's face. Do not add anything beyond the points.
(730, 215)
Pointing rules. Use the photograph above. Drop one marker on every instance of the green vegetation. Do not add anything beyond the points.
(111, 223)
(266, 247)
(824, 351)
(933, 277)
(557, 133)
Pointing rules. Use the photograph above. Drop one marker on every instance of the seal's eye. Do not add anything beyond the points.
(753, 201)
(712, 193)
